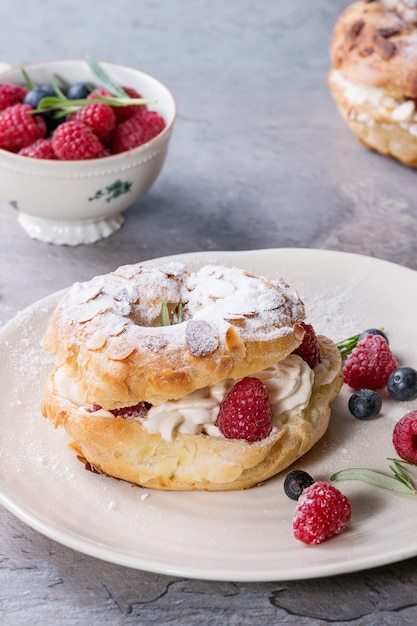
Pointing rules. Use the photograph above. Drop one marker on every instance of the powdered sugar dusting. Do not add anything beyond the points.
(261, 308)
(326, 310)
(201, 338)
(119, 305)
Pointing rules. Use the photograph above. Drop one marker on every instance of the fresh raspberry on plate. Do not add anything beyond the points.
(74, 141)
(309, 348)
(19, 128)
(369, 364)
(245, 412)
(322, 511)
(99, 117)
(11, 94)
(40, 149)
(404, 437)
(136, 131)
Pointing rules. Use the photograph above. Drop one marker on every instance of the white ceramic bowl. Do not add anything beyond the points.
(74, 202)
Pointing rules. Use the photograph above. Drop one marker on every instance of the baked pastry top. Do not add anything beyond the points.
(109, 335)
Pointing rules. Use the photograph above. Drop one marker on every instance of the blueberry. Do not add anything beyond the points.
(295, 483)
(34, 96)
(365, 404)
(402, 384)
(77, 91)
(373, 331)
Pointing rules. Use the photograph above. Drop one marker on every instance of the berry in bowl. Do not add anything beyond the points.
(80, 142)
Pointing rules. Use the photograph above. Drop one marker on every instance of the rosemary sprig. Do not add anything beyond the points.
(29, 82)
(165, 316)
(104, 78)
(57, 88)
(165, 321)
(401, 481)
(346, 345)
(65, 107)
(401, 473)
(179, 312)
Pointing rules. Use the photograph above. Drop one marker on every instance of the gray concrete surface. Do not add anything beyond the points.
(259, 159)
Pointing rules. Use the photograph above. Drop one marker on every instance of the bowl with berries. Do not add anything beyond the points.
(80, 142)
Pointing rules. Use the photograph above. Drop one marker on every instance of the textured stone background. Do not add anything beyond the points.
(259, 159)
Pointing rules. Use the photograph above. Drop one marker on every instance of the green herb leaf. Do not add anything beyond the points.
(65, 107)
(179, 312)
(401, 473)
(57, 88)
(62, 107)
(346, 346)
(104, 79)
(29, 82)
(376, 479)
(165, 321)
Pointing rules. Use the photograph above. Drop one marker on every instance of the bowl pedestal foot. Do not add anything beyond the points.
(68, 232)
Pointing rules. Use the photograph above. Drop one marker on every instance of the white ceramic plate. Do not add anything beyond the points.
(240, 536)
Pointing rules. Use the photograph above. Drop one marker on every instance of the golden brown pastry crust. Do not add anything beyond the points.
(374, 45)
(377, 46)
(106, 331)
(123, 448)
(376, 129)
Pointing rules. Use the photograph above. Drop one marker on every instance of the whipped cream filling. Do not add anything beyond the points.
(401, 111)
(289, 384)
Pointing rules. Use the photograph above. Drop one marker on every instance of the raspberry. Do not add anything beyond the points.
(369, 364)
(136, 131)
(99, 117)
(244, 412)
(404, 437)
(73, 141)
(122, 113)
(322, 511)
(40, 149)
(10, 95)
(101, 91)
(153, 124)
(19, 129)
(309, 349)
(139, 410)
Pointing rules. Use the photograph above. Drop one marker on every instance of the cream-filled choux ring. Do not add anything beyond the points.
(373, 76)
(140, 398)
